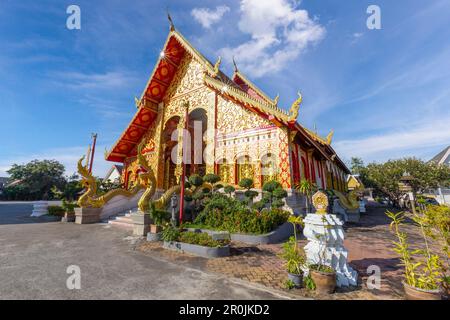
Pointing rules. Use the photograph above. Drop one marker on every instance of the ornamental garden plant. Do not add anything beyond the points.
(425, 274)
(221, 211)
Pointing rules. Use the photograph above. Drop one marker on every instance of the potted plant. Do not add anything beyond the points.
(422, 275)
(324, 278)
(294, 257)
(69, 210)
(159, 217)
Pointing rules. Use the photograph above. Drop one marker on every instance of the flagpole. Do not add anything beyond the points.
(94, 140)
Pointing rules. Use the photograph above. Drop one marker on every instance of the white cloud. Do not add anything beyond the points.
(207, 17)
(399, 142)
(111, 80)
(279, 33)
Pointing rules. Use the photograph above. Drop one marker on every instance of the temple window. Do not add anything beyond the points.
(244, 168)
(268, 168)
(223, 170)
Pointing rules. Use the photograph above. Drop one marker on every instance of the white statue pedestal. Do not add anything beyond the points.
(362, 206)
(326, 245)
(40, 208)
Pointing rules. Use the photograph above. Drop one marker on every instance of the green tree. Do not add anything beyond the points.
(39, 177)
(356, 165)
(385, 177)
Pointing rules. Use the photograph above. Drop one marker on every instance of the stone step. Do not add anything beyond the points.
(120, 224)
(124, 219)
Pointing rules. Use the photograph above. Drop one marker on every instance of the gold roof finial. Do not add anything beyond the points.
(137, 102)
(217, 66)
(172, 26)
(275, 100)
(235, 65)
(330, 136)
(293, 111)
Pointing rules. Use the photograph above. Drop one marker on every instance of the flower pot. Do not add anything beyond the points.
(413, 293)
(297, 279)
(155, 228)
(325, 281)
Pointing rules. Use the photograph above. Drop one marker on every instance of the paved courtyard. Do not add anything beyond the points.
(35, 254)
(369, 243)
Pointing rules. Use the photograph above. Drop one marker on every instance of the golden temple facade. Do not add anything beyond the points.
(227, 126)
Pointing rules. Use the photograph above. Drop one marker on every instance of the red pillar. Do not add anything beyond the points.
(183, 166)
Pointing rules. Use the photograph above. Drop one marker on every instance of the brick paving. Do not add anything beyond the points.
(368, 242)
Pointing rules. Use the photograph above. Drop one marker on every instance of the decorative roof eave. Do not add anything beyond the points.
(316, 137)
(109, 154)
(243, 97)
(253, 87)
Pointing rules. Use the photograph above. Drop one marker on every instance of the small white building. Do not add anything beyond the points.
(114, 174)
(442, 195)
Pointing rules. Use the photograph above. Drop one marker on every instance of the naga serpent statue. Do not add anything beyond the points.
(148, 178)
(350, 201)
(90, 197)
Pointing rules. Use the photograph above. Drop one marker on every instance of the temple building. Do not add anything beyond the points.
(227, 126)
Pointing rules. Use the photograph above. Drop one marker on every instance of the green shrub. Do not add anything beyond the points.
(225, 213)
(56, 211)
(195, 180)
(170, 234)
(277, 203)
(270, 186)
(159, 217)
(229, 190)
(246, 183)
(201, 239)
(211, 178)
(69, 206)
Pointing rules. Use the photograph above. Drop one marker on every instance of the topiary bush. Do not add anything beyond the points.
(229, 190)
(246, 183)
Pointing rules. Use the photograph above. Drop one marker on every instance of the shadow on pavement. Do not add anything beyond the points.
(19, 213)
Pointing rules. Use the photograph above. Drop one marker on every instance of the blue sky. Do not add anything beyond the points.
(384, 92)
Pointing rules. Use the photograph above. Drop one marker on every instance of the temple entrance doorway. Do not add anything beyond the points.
(169, 142)
(198, 122)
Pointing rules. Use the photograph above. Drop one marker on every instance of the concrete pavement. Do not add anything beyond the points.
(35, 254)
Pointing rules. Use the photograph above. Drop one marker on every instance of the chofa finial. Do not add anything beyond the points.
(217, 66)
(275, 100)
(172, 26)
(293, 111)
(330, 137)
(235, 65)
